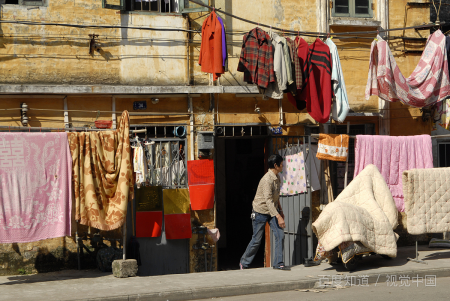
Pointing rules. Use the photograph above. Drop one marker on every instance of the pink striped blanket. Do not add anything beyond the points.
(35, 186)
(392, 155)
(428, 84)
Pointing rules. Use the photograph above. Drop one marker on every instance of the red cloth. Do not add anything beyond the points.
(211, 57)
(319, 92)
(200, 172)
(202, 196)
(149, 224)
(178, 226)
(299, 101)
(256, 60)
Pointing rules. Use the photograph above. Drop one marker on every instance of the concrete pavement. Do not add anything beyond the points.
(94, 285)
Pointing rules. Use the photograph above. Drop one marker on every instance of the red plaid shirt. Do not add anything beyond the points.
(256, 59)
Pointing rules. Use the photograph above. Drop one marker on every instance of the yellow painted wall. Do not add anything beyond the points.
(60, 55)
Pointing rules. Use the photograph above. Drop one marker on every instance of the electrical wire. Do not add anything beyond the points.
(316, 34)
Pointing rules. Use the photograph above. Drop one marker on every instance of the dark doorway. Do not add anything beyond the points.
(240, 167)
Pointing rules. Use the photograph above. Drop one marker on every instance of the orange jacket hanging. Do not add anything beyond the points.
(211, 58)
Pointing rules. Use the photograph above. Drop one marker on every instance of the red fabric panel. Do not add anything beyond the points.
(149, 224)
(202, 196)
(200, 172)
(178, 226)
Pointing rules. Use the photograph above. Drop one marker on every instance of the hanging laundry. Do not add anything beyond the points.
(340, 99)
(140, 164)
(392, 156)
(307, 75)
(441, 115)
(333, 147)
(224, 45)
(293, 176)
(210, 57)
(319, 93)
(201, 172)
(102, 175)
(292, 88)
(276, 88)
(428, 84)
(287, 61)
(36, 188)
(256, 60)
(201, 184)
(313, 174)
(149, 215)
(298, 66)
(177, 215)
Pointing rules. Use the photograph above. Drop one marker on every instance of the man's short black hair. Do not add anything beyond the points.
(274, 159)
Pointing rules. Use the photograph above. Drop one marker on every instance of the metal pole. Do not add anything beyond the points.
(346, 161)
(114, 118)
(66, 114)
(124, 238)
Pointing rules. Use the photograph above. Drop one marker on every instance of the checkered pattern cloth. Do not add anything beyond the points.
(428, 84)
(256, 59)
(297, 65)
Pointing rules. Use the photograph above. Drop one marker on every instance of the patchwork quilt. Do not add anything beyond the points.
(364, 212)
(427, 200)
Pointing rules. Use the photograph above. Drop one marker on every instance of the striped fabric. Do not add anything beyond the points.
(318, 77)
(428, 84)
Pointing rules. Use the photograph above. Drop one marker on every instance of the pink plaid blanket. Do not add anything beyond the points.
(35, 186)
(428, 84)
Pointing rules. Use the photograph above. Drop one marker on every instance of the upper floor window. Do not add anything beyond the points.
(25, 2)
(155, 6)
(352, 8)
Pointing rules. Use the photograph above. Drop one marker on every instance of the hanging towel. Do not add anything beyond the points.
(177, 214)
(210, 57)
(393, 155)
(140, 165)
(293, 176)
(149, 213)
(333, 147)
(102, 175)
(340, 99)
(36, 191)
(428, 84)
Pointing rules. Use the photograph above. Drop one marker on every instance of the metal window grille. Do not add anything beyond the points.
(159, 6)
(166, 156)
(241, 130)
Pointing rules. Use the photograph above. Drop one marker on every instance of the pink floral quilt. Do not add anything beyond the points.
(35, 186)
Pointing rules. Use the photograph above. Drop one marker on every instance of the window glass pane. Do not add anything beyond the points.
(341, 6)
(362, 7)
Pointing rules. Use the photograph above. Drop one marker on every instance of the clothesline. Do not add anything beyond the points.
(306, 33)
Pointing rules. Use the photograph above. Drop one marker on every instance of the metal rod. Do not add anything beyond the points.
(124, 238)
(346, 161)
(114, 117)
(49, 128)
(66, 113)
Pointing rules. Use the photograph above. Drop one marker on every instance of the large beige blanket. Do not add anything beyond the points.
(365, 211)
(427, 200)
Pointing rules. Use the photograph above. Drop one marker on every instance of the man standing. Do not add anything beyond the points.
(267, 208)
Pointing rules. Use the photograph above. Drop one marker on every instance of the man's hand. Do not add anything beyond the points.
(282, 214)
(281, 221)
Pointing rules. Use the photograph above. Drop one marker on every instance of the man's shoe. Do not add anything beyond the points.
(283, 268)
